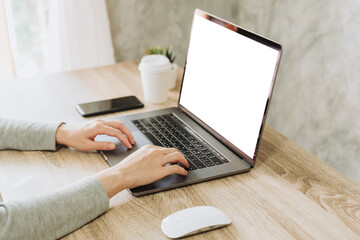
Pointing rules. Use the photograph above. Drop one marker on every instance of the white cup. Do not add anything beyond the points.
(155, 75)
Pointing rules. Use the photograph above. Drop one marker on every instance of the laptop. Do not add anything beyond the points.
(227, 85)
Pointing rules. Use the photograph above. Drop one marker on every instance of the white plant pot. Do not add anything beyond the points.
(173, 76)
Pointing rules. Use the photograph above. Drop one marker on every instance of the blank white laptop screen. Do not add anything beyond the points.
(227, 82)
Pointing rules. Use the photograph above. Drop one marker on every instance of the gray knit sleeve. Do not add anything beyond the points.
(26, 135)
(54, 214)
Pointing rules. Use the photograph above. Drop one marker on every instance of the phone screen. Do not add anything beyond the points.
(108, 106)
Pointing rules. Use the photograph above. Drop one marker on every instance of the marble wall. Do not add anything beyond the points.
(138, 24)
(317, 94)
(317, 97)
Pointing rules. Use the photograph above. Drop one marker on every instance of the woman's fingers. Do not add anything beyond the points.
(174, 157)
(120, 126)
(171, 169)
(103, 129)
(169, 155)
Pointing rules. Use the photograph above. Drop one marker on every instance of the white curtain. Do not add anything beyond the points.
(7, 68)
(78, 35)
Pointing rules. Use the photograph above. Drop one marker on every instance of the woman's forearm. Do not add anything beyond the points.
(54, 214)
(27, 135)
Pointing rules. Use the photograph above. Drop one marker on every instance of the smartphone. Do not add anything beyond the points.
(108, 106)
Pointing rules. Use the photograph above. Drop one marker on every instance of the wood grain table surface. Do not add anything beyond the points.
(289, 194)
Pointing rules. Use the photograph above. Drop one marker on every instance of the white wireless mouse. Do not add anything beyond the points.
(193, 220)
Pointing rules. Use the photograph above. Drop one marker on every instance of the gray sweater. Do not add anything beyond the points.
(53, 214)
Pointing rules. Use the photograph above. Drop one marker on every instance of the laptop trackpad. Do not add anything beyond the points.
(121, 152)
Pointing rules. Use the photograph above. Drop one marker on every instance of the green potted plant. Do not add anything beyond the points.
(167, 51)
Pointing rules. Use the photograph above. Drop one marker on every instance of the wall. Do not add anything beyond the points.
(317, 93)
(317, 96)
(138, 24)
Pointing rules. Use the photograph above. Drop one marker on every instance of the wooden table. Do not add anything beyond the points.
(290, 194)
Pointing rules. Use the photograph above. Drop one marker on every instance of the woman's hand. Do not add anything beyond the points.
(81, 136)
(146, 165)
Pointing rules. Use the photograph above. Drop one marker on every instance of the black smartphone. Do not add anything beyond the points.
(108, 106)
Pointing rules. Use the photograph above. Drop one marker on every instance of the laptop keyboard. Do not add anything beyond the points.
(168, 131)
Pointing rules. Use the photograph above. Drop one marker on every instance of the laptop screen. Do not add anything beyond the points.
(228, 80)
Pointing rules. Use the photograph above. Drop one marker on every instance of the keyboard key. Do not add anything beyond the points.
(145, 122)
(185, 151)
(198, 164)
(209, 163)
(191, 166)
(216, 160)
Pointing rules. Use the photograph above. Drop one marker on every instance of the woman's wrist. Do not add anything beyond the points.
(62, 134)
(113, 180)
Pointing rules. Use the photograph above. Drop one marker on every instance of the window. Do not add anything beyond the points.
(28, 22)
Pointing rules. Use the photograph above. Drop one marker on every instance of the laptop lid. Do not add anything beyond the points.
(228, 82)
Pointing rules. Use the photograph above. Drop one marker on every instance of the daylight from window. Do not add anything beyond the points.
(29, 25)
